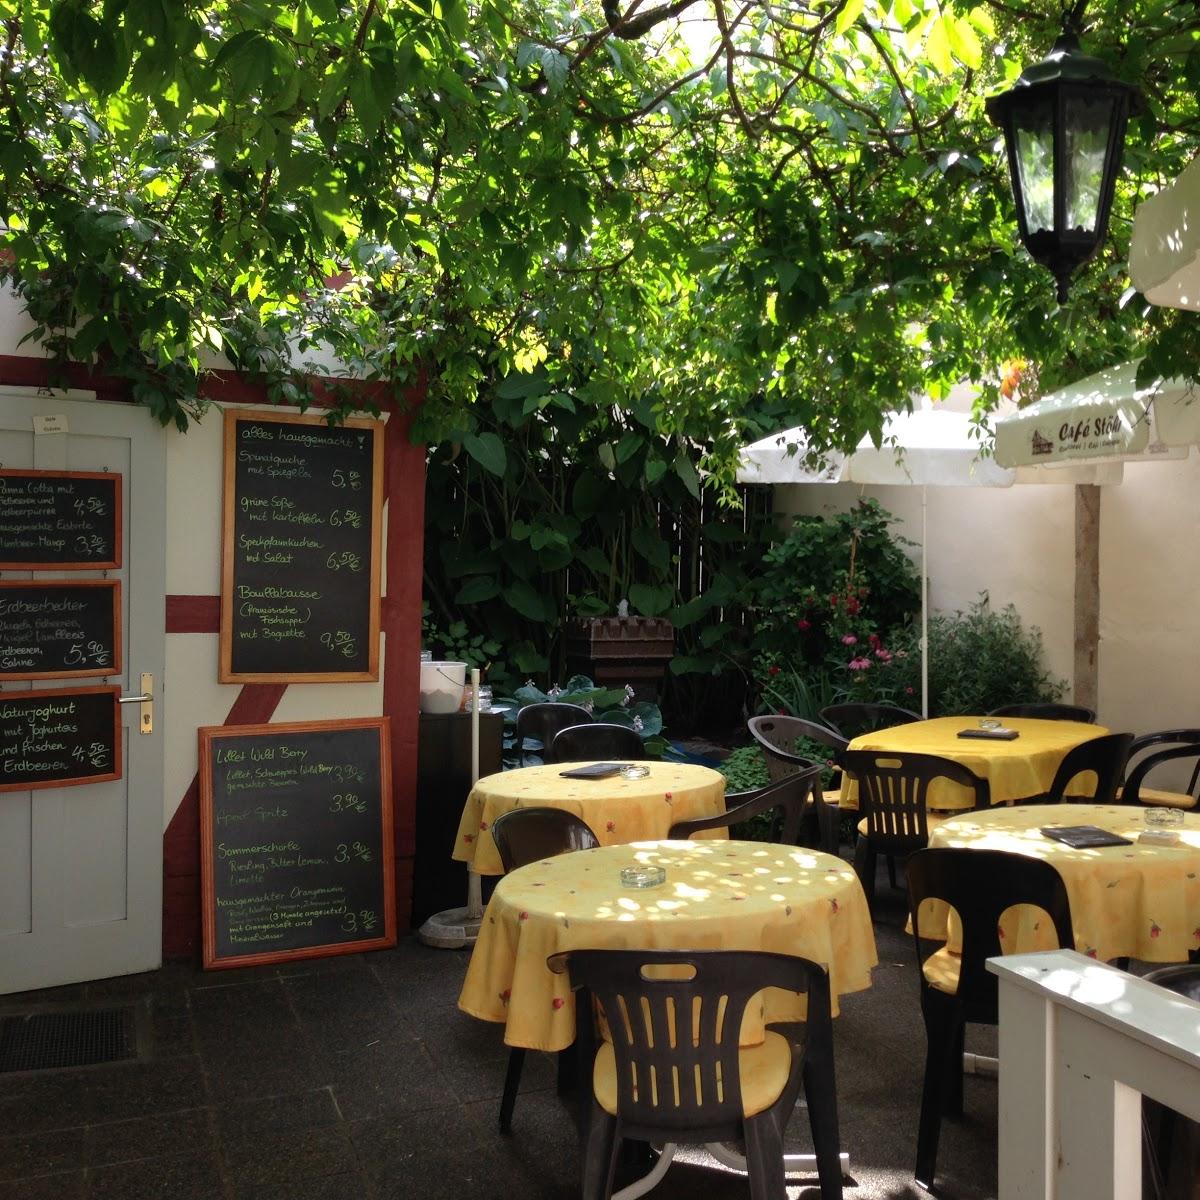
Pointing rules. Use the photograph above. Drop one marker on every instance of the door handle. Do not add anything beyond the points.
(146, 700)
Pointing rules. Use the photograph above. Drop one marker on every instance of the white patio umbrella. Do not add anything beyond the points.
(929, 447)
(1103, 417)
(1164, 252)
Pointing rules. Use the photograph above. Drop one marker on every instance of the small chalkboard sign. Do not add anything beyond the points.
(59, 520)
(61, 629)
(296, 843)
(59, 738)
(300, 552)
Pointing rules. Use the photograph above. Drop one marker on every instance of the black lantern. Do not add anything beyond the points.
(1064, 128)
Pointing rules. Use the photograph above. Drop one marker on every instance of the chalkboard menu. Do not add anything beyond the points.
(60, 630)
(59, 520)
(300, 555)
(59, 738)
(296, 840)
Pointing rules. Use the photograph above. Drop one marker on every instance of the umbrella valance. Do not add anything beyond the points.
(1105, 416)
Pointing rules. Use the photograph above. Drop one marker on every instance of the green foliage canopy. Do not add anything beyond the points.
(731, 217)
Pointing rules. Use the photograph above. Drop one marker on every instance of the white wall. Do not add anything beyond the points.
(1017, 544)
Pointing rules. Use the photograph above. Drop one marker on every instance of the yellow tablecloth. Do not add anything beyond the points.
(618, 810)
(1140, 901)
(1015, 770)
(727, 895)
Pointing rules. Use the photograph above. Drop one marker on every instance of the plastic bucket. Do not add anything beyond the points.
(442, 686)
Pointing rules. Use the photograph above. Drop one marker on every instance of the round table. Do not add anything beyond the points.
(618, 810)
(1140, 901)
(1014, 770)
(727, 895)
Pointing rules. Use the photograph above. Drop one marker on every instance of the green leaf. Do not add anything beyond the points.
(527, 601)
(476, 590)
(651, 547)
(937, 46)
(686, 470)
(488, 451)
(651, 601)
(850, 13)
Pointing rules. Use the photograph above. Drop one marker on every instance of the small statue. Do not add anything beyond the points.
(623, 609)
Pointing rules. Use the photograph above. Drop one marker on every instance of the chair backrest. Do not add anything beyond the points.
(675, 1031)
(980, 885)
(543, 721)
(526, 835)
(785, 798)
(893, 794)
(1047, 712)
(777, 736)
(1149, 750)
(1182, 978)
(1105, 756)
(854, 717)
(578, 743)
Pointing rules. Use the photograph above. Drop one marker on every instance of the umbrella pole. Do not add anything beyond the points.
(924, 603)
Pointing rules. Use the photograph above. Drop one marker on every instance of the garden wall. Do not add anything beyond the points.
(1017, 544)
(190, 696)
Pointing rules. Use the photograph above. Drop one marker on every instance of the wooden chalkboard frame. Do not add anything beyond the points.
(41, 582)
(72, 781)
(226, 672)
(113, 477)
(210, 733)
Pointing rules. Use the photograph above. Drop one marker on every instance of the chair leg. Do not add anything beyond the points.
(954, 1075)
(941, 1032)
(891, 862)
(820, 1093)
(599, 1155)
(827, 825)
(764, 1157)
(512, 1080)
(864, 867)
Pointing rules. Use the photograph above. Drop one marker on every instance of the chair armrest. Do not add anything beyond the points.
(1132, 786)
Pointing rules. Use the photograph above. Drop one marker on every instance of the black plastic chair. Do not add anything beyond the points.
(543, 721)
(674, 1071)
(1047, 712)
(599, 740)
(980, 885)
(788, 799)
(1105, 756)
(523, 836)
(1173, 745)
(776, 737)
(854, 718)
(893, 792)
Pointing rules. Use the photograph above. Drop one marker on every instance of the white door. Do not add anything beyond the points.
(81, 867)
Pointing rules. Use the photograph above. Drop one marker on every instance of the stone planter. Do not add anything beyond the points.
(618, 650)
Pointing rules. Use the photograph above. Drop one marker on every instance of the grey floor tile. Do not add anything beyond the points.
(66, 1185)
(156, 1136)
(180, 1177)
(40, 1153)
(311, 1109)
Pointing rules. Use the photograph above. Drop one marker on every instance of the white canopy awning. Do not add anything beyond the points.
(1104, 417)
(933, 447)
(1164, 253)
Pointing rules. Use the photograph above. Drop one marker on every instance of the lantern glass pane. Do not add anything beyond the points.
(1033, 132)
(1087, 121)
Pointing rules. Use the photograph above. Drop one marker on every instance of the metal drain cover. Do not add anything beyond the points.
(48, 1041)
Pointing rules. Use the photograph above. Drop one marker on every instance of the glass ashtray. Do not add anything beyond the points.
(634, 771)
(990, 723)
(643, 877)
(1161, 817)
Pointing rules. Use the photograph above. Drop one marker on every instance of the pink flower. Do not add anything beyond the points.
(859, 664)
(873, 638)
(803, 625)
(833, 601)
(849, 640)
(908, 691)
(882, 654)
(852, 606)
(773, 670)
